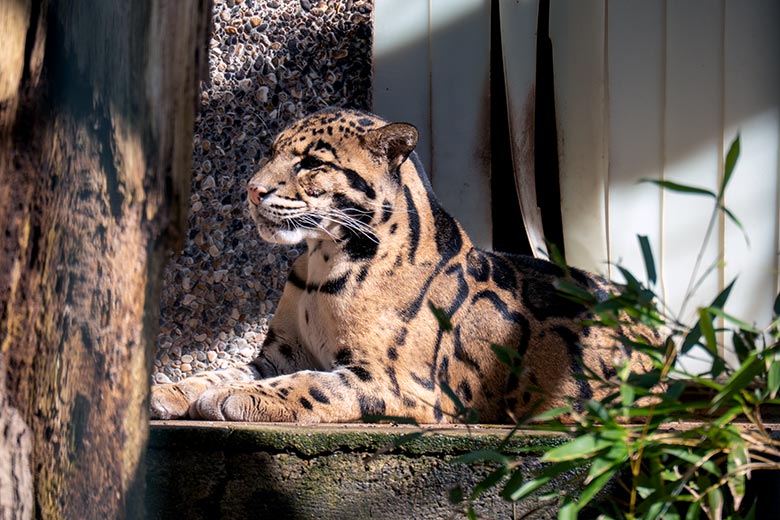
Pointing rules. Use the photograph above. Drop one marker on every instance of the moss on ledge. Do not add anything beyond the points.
(322, 439)
(238, 470)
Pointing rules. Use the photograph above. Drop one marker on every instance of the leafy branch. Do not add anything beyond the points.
(700, 464)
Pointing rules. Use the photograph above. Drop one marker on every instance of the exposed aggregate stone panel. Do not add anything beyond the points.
(271, 62)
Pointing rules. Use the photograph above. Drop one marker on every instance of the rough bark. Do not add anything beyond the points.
(97, 104)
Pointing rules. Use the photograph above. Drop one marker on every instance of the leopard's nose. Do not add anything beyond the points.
(255, 192)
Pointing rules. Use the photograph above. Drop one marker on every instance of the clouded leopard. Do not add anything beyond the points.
(354, 333)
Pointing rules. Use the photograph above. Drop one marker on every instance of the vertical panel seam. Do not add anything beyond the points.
(721, 149)
(662, 152)
(776, 277)
(605, 136)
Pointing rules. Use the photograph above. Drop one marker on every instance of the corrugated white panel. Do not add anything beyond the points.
(431, 68)
(693, 130)
(752, 108)
(682, 79)
(635, 65)
(518, 44)
(460, 117)
(577, 31)
(401, 81)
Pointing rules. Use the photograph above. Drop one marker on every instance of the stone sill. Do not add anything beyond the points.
(311, 440)
(204, 470)
(341, 471)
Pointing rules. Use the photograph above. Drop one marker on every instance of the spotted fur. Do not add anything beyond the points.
(354, 334)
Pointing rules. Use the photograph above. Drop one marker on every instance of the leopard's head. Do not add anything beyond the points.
(326, 176)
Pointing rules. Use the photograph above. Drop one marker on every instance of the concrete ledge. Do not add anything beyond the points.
(200, 470)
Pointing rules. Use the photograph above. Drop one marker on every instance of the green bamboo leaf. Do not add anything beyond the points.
(670, 514)
(513, 484)
(728, 317)
(681, 188)
(452, 397)
(528, 487)
(574, 292)
(692, 458)
(739, 380)
(599, 410)
(595, 485)
(441, 317)
(707, 330)
(544, 477)
(694, 511)
(715, 502)
(720, 299)
(581, 447)
(675, 390)
(647, 255)
(728, 416)
(557, 258)
(741, 347)
(578, 448)
(654, 508)
(550, 414)
(631, 280)
(773, 377)
(691, 339)
(737, 458)
(693, 336)
(568, 511)
(731, 161)
(627, 395)
(507, 356)
(610, 305)
(456, 495)
(613, 457)
(737, 223)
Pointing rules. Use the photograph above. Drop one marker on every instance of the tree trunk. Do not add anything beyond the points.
(97, 106)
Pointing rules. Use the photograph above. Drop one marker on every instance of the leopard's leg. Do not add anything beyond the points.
(173, 401)
(306, 397)
(281, 353)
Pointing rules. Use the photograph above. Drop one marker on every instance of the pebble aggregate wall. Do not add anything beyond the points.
(270, 63)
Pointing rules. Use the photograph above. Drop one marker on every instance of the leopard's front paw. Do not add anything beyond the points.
(168, 402)
(239, 402)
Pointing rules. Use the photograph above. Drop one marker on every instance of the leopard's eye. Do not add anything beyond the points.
(310, 163)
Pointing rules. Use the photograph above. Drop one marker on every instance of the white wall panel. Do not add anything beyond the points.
(401, 62)
(460, 112)
(752, 108)
(644, 88)
(431, 68)
(635, 85)
(680, 79)
(693, 129)
(578, 32)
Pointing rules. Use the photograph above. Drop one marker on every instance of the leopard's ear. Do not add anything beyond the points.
(394, 142)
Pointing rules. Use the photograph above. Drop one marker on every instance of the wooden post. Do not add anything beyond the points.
(97, 106)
